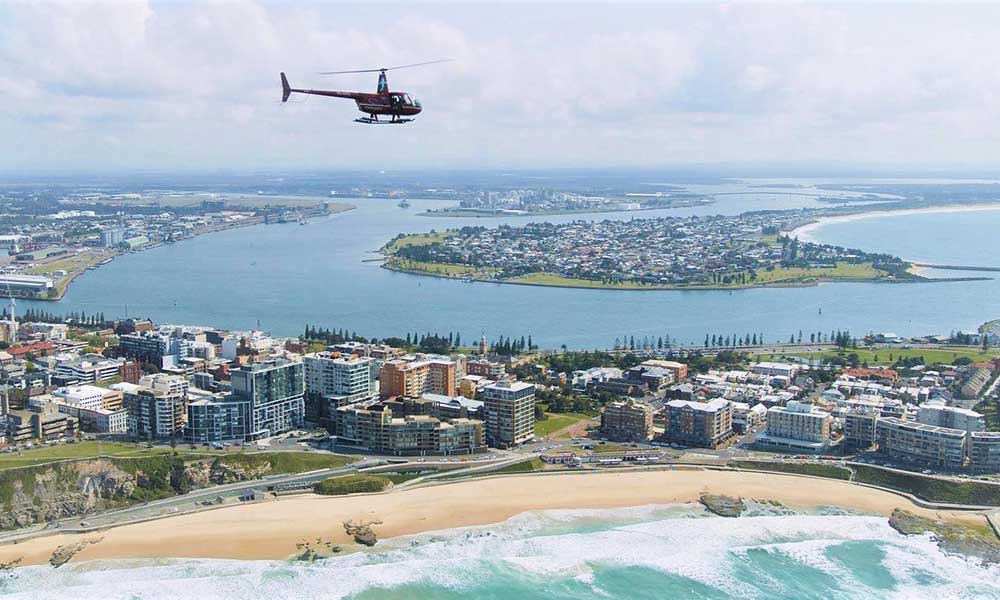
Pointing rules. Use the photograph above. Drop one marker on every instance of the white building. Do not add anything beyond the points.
(937, 414)
(797, 426)
(89, 368)
(89, 397)
(510, 413)
(255, 341)
(345, 379)
(776, 369)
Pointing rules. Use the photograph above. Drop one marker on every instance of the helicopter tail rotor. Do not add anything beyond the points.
(286, 90)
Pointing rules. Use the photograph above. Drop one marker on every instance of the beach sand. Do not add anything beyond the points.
(271, 529)
(805, 232)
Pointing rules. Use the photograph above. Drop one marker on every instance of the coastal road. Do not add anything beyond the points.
(193, 500)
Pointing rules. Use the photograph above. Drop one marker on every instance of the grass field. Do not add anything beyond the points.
(775, 277)
(442, 269)
(888, 356)
(841, 271)
(417, 239)
(557, 421)
(931, 489)
(814, 469)
(283, 462)
(351, 484)
(559, 280)
(80, 450)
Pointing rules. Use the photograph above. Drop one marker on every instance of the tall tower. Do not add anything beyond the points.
(484, 346)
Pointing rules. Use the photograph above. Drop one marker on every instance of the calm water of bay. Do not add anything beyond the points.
(284, 276)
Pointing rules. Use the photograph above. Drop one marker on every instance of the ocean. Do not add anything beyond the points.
(640, 553)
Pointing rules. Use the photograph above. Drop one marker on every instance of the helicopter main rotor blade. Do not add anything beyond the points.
(383, 69)
(420, 64)
(343, 72)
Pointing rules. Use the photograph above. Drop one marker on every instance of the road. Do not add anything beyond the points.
(193, 500)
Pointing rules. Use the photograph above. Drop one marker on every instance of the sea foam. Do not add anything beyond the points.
(747, 557)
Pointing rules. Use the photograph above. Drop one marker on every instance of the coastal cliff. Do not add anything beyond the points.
(38, 494)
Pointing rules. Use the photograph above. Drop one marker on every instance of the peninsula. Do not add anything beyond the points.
(698, 252)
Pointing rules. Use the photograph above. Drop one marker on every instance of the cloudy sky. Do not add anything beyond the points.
(175, 85)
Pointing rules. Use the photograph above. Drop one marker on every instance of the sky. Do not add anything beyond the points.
(139, 85)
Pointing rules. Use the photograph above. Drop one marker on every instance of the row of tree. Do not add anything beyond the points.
(34, 315)
(733, 341)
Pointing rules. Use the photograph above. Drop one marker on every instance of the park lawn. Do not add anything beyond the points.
(443, 269)
(78, 450)
(559, 280)
(556, 421)
(814, 469)
(283, 462)
(881, 356)
(841, 271)
(418, 239)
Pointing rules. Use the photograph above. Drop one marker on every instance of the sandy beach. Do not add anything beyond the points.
(271, 529)
(805, 232)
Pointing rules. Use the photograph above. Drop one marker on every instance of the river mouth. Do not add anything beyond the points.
(285, 276)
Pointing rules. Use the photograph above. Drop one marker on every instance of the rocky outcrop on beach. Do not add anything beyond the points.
(723, 506)
(64, 554)
(951, 536)
(362, 532)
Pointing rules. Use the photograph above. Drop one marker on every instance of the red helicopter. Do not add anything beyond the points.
(400, 106)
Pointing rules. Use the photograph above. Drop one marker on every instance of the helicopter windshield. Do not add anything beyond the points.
(407, 99)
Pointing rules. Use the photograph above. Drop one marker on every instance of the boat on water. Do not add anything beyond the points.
(404, 203)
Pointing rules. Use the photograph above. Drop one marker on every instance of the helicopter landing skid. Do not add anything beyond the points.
(370, 121)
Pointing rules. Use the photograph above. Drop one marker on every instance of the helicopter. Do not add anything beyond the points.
(399, 106)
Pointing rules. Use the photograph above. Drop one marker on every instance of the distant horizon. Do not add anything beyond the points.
(716, 170)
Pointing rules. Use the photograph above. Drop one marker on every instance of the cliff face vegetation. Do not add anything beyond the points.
(44, 493)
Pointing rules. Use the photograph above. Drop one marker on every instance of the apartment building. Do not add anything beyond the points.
(339, 377)
(951, 417)
(627, 421)
(374, 428)
(700, 424)
(798, 427)
(984, 451)
(920, 443)
(411, 378)
(217, 418)
(275, 390)
(860, 425)
(510, 413)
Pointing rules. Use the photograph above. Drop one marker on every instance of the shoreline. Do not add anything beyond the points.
(473, 214)
(804, 232)
(819, 280)
(71, 277)
(270, 530)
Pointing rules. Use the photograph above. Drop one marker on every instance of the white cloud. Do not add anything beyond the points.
(92, 85)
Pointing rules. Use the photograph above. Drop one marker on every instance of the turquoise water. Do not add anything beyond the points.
(284, 276)
(635, 554)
